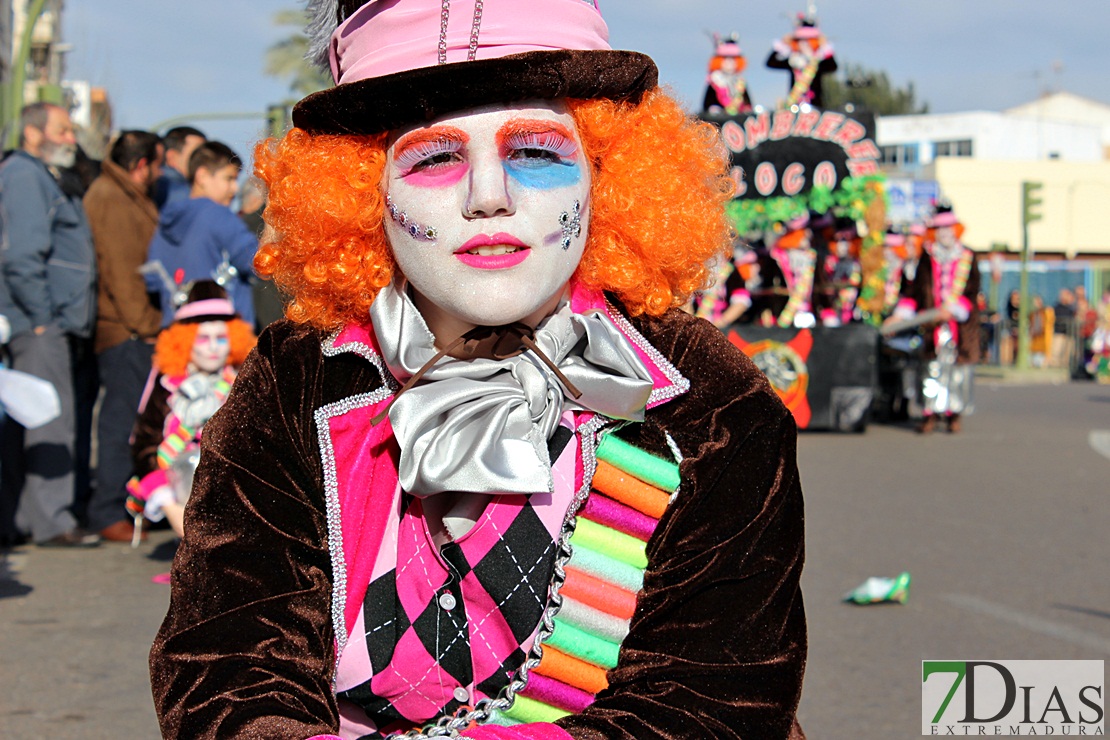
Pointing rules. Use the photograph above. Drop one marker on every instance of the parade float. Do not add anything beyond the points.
(810, 214)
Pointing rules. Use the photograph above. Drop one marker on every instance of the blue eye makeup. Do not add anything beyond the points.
(544, 159)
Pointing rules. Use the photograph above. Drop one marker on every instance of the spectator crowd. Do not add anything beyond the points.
(128, 285)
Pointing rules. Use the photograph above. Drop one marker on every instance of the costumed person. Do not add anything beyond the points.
(489, 476)
(789, 275)
(942, 297)
(1099, 364)
(726, 91)
(729, 298)
(1041, 321)
(842, 276)
(895, 255)
(809, 56)
(196, 360)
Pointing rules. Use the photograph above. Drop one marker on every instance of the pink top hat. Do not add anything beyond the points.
(944, 218)
(210, 309)
(807, 27)
(894, 239)
(400, 62)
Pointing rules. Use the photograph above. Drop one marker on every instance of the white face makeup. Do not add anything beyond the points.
(946, 237)
(491, 185)
(211, 347)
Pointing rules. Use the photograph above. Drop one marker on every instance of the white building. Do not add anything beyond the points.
(978, 160)
(1070, 108)
(908, 143)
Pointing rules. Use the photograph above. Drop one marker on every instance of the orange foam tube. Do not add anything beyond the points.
(600, 595)
(570, 670)
(630, 490)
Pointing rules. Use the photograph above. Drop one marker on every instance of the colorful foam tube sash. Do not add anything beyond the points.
(630, 492)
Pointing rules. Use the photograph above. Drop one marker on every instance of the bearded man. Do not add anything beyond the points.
(49, 270)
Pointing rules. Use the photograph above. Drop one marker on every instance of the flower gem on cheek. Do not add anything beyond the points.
(571, 224)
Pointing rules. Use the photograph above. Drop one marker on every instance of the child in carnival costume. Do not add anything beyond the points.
(489, 480)
(196, 360)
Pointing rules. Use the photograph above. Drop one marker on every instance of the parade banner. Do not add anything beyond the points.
(826, 376)
(787, 153)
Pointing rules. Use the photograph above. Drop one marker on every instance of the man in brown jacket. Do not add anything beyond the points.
(123, 218)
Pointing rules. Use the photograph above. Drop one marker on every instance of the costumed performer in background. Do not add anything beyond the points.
(788, 274)
(727, 301)
(196, 360)
(489, 476)
(842, 275)
(809, 56)
(726, 91)
(943, 296)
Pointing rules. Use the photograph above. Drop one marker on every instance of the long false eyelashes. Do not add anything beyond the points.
(422, 151)
(548, 141)
(545, 135)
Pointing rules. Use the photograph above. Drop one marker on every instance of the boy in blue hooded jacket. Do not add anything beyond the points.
(201, 238)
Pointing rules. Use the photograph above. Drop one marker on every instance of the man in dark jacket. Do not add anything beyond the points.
(49, 269)
(122, 217)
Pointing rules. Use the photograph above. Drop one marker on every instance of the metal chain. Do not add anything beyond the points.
(444, 14)
(475, 27)
(474, 30)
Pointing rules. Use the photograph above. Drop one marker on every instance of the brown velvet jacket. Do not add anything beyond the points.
(923, 292)
(717, 646)
(122, 218)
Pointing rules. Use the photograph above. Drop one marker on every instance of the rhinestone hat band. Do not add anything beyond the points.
(415, 230)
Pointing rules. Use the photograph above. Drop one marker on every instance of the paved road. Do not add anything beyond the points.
(1004, 529)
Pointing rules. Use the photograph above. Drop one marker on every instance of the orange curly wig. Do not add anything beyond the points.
(659, 187)
(175, 345)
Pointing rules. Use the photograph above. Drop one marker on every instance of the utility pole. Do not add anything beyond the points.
(14, 102)
(1030, 212)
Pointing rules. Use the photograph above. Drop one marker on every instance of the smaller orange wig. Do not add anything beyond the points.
(791, 239)
(717, 63)
(175, 346)
(657, 216)
(958, 228)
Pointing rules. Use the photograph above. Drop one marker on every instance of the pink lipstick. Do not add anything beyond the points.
(493, 252)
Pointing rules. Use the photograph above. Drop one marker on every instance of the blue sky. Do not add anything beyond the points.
(170, 59)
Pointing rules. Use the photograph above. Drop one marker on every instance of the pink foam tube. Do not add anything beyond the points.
(556, 693)
(604, 510)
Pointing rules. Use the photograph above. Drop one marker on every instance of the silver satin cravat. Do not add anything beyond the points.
(482, 425)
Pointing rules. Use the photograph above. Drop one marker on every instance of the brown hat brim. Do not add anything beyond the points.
(380, 104)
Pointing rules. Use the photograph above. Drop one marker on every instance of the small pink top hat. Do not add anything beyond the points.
(944, 216)
(400, 62)
(806, 27)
